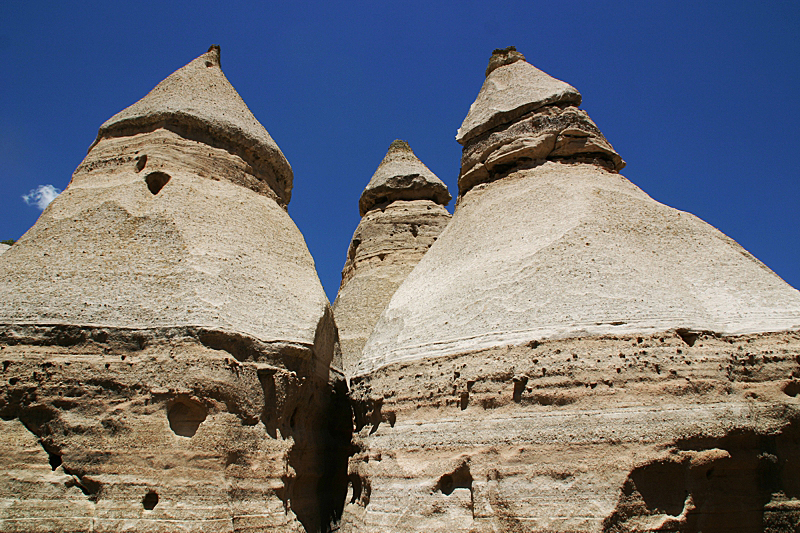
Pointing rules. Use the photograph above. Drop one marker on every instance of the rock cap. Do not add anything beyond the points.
(513, 87)
(402, 176)
(198, 100)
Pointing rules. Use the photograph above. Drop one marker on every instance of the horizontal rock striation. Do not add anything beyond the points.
(572, 355)
(170, 360)
(666, 432)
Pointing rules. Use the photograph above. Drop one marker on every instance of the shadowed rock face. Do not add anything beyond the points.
(402, 215)
(167, 345)
(572, 355)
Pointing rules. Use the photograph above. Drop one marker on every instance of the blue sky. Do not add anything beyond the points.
(700, 98)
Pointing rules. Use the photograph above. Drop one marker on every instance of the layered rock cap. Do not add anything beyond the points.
(403, 213)
(402, 176)
(198, 102)
(523, 117)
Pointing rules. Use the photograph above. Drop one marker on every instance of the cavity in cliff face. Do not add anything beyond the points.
(169, 357)
(571, 355)
(403, 212)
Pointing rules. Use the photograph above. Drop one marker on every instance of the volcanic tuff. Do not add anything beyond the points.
(571, 355)
(568, 355)
(163, 370)
(403, 213)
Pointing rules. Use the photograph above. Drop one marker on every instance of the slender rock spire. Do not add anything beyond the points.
(403, 213)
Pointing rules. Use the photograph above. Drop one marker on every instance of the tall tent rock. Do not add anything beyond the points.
(403, 212)
(572, 355)
(170, 357)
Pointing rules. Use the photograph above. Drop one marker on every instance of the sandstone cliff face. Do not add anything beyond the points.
(571, 355)
(167, 347)
(403, 213)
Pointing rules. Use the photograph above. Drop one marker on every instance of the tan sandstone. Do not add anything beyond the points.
(571, 355)
(403, 213)
(166, 344)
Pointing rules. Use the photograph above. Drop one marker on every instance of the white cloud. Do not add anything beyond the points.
(41, 196)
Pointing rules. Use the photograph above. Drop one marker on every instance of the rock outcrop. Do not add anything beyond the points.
(403, 212)
(571, 355)
(4, 247)
(168, 353)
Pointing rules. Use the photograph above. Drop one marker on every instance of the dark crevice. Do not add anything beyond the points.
(519, 387)
(737, 482)
(156, 181)
(687, 336)
(460, 478)
(150, 500)
(185, 416)
(86, 484)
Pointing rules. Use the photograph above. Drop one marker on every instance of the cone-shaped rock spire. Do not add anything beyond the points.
(199, 102)
(565, 246)
(387, 243)
(523, 117)
(512, 88)
(178, 307)
(402, 176)
(571, 355)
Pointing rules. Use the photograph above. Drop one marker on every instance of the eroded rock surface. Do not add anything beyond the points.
(667, 432)
(571, 355)
(403, 213)
(169, 357)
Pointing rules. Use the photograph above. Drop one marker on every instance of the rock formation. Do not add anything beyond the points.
(167, 347)
(4, 247)
(402, 210)
(571, 355)
(568, 355)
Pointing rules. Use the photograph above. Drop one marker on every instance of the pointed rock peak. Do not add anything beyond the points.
(198, 102)
(212, 56)
(503, 56)
(402, 176)
(513, 87)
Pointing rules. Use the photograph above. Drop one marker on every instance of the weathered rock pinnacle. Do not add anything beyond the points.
(403, 214)
(199, 103)
(572, 355)
(402, 176)
(168, 315)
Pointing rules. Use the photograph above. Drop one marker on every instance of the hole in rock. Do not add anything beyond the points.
(141, 161)
(54, 459)
(792, 388)
(150, 500)
(519, 387)
(185, 417)
(156, 181)
(463, 401)
(355, 482)
(460, 478)
(687, 336)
